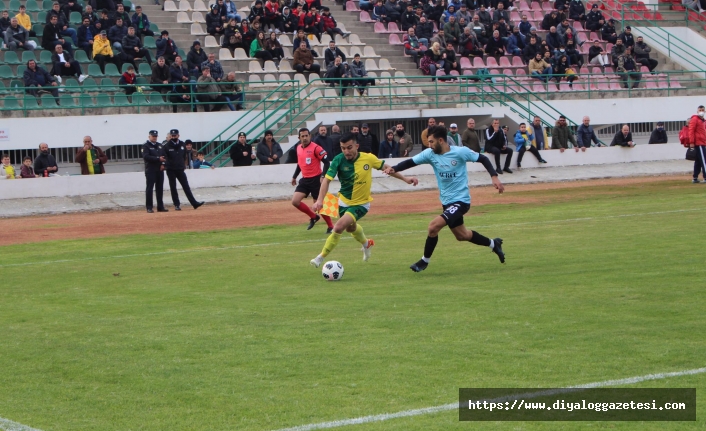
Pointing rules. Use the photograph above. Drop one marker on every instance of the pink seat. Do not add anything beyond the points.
(584, 70)
(380, 28)
(454, 73)
(478, 62)
(675, 84)
(519, 89)
(536, 6)
(596, 70)
(650, 83)
(644, 69)
(436, 28)
(465, 63)
(538, 16)
(578, 26)
(468, 72)
(515, 16)
(578, 87)
(538, 88)
(440, 73)
(603, 86)
(394, 39)
(521, 72)
(392, 28)
(547, 7)
(594, 36)
(365, 17)
(662, 84)
(615, 85)
(507, 72)
(517, 62)
(524, 5)
(505, 62)
(491, 62)
(351, 7)
(564, 87)
(494, 72)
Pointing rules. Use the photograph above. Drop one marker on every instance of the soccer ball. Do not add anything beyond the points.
(333, 271)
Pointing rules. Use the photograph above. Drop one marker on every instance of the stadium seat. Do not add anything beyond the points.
(271, 67)
(491, 62)
(200, 6)
(11, 58)
(517, 62)
(393, 28)
(38, 29)
(143, 69)
(254, 67)
(32, 6)
(3, 89)
(120, 99)
(370, 64)
(170, 6)
(44, 57)
(183, 18)
(478, 63)
(198, 17)
(67, 101)
(351, 7)
(211, 42)
(30, 102)
(369, 51)
(365, 17)
(284, 40)
(224, 54)
(90, 84)
(325, 39)
(269, 80)
(254, 81)
(149, 42)
(239, 54)
(6, 72)
(504, 62)
(380, 28)
(197, 29)
(103, 101)
(11, 103)
(71, 85)
(107, 85)
(75, 18)
(356, 50)
(285, 66)
(353, 39)
(27, 56)
(95, 70)
(140, 99)
(340, 40)
(81, 56)
(394, 39)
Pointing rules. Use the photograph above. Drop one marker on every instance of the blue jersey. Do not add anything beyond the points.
(450, 171)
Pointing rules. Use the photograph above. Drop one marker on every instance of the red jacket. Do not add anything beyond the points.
(328, 21)
(697, 131)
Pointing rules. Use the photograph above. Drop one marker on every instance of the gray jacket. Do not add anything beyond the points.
(18, 34)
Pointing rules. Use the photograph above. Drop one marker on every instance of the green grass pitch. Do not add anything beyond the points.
(233, 330)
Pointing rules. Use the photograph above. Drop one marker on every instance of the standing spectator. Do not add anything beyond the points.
(215, 66)
(175, 159)
(496, 144)
(585, 134)
(540, 69)
(304, 62)
(214, 25)
(323, 141)
(594, 19)
(24, 20)
(45, 163)
(540, 134)
(7, 171)
(133, 49)
(367, 142)
(659, 135)
(453, 138)
(52, 36)
(431, 123)
(160, 76)
(91, 158)
(141, 23)
(36, 79)
(269, 152)
(561, 135)
(469, 138)
(232, 92)
(596, 55)
(642, 54)
(209, 92)
(63, 64)
(360, 74)
(116, 35)
(389, 148)
(697, 142)
(103, 53)
(627, 37)
(523, 143)
(627, 68)
(332, 52)
(86, 34)
(27, 171)
(623, 138)
(404, 139)
(166, 47)
(335, 140)
(241, 152)
(16, 37)
(195, 58)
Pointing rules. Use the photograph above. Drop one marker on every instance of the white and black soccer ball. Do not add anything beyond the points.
(333, 271)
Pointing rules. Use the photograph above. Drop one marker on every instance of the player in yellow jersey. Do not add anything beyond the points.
(355, 172)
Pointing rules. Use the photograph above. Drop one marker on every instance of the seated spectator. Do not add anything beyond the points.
(597, 55)
(692, 4)
(496, 144)
(257, 48)
(86, 33)
(63, 23)
(531, 50)
(642, 54)
(389, 148)
(304, 61)
(103, 53)
(241, 152)
(439, 38)
(452, 30)
(4, 23)
(409, 18)
(45, 163)
(209, 92)
(178, 72)
(52, 36)
(180, 94)
(214, 26)
(24, 20)
(525, 26)
(379, 13)
(232, 92)
(68, 6)
(37, 80)
(329, 24)
(451, 61)
(273, 16)
(273, 46)
(201, 163)
(623, 138)
(337, 72)
(116, 35)
(523, 143)
(495, 46)
(554, 39)
(595, 19)
(215, 66)
(105, 22)
(121, 13)
(413, 46)
(550, 20)
(91, 158)
(659, 135)
(585, 135)
(301, 38)
(360, 74)
(540, 69)
(7, 171)
(393, 10)
(561, 135)
(627, 68)
(577, 11)
(269, 152)
(424, 31)
(104, 4)
(16, 37)
(432, 60)
(332, 52)
(233, 41)
(257, 13)
(249, 33)
(195, 58)
(564, 70)
(133, 49)
(312, 23)
(290, 22)
(166, 47)
(160, 76)
(515, 42)
(27, 171)
(575, 57)
(128, 80)
(63, 64)
(608, 31)
(232, 11)
(141, 23)
(616, 51)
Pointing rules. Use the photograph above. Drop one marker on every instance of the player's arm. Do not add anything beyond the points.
(323, 191)
(491, 170)
(297, 171)
(326, 163)
(389, 170)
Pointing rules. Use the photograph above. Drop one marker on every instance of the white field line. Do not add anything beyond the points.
(270, 244)
(454, 406)
(8, 425)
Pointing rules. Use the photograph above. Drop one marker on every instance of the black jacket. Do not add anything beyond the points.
(620, 139)
(159, 74)
(331, 55)
(326, 143)
(236, 154)
(130, 42)
(263, 152)
(67, 57)
(195, 59)
(151, 154)
(368, 143)
(175, 155)
(51, 34)
(494, 139)
(658, 137)
(425, 30)
(42, 162)
(213, 21)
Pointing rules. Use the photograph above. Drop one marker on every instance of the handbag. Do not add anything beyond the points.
(691, 154)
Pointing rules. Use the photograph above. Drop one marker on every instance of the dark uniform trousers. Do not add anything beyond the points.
(154, 178)
(178, 174)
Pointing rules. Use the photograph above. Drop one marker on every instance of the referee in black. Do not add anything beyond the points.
(153, 155)
(176, 154)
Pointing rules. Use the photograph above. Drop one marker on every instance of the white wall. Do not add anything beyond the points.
(227, 177)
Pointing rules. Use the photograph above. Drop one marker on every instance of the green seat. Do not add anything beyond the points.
(75, 18)
(85, 100)
(11, 102)
(154, 27)
(144, 69)
(81, 56)
(30, 102)
(2, 5)
(42, 17)
(139, 99)
(107, 85)
(125, 66)
(181, 53)
(48, 101)
(16, 85)
(11, 58)
(94, 70)
(45, 56)
(3, 89)
(15, 5)
(21, 70)
(32, 6)
(110, 70)
(27, 56)
(127, 4)
(67, 101)
(120, 99)
(103, 100)
(142, 81)
(72, 86)
(90, 84)
(47, 4)
(38, 29)
(150, 43)
(6, 72)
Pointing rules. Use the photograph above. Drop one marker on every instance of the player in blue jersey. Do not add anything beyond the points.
(449, 165)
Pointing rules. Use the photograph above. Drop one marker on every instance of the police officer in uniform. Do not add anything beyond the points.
(176, 158)
(153, 154)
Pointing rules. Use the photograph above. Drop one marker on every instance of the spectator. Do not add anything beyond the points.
(424, 30)
(596, 55)
(360, 74)
(312, 23)
(201, 163)
(103, 4)
(594, 19)
(249, 34)
(496, 144)
(133, 49)
(231, 10)
(181, 93)
(141, 23)
(128, 80)
(540, 69)
(16, 37)
(554, 39)
(178, 72)
(525, 26)
(85, 34)
(540, 134)
(37, 80)
(524, 140)
(495, 46)
(209, 92)
(484, 16)
(103, 53)
(195, 58)
(533, 32)
(692, 4)
(62, 23)
(324, 141)
(4, 22)
(608, 31)
(452, 30)
(269, 151)
(561, 135)
(469, 138)
(68, 6)
(464, 13)
(577, 11)
(413, 46)
(501, 13)
(191, 154)
(659, 135)
(304, 62)
(45, 163)
(121, 13)
(329, 24)
(232, 92)
(52, 36)
(24, 20)
(575, 57)
(432, 61)
(27, 171)
(448, 12)
(515, 43)
(63, 64)
(409, 18)
(568, 33)
(88, 13)
(697, 141)
(627, 69)
(550, 20)
(531, 50)
(431, 123)
(214, 26)
(241, 152)
(451, 61)
(290, 22)
(335, 140)
(627, 37)
(257, 13)
(116, 34)
(585, 134)
(616, 51)
(91, 158)
(332, 52)
(160, 76)
(440, 38)
(301, 38)
(337, 73)
(166, 47)
(367, 142)
(273, 46)
(564, 70)
(233, 38)
(404, 140)
(105, 23)
(257, 48)
(215, 66)
(389, 148)
(623, 137)
(222, 10)
(469, 44)
(393, 11)
(642, 54)
(453, 138)
(7, 171)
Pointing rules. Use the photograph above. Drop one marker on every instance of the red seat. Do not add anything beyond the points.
(536, 5)
(584, 70)
(394, 39)
(491, 62)
(658, 16)
(678, 7)
(505, 62)
(547, 6)
(644, 69)
(521, 73)
(578, 26)
(351, 7)
(478, 62)
(524, 6)
(380, 28)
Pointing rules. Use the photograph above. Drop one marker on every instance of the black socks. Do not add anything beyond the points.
(430, 245)
(479, 239)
